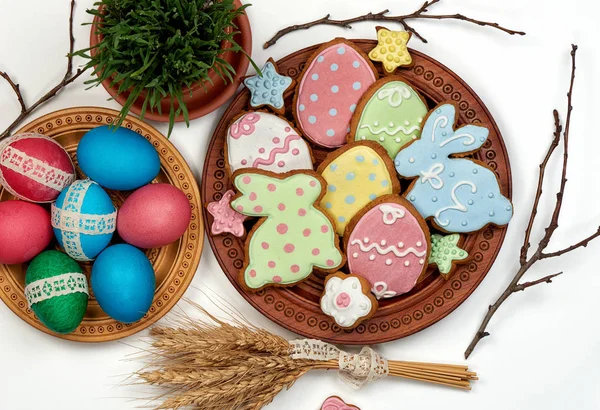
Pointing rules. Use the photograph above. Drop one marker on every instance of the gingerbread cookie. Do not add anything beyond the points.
(356, 174)
(336, 403)
(390, 113)
(348, 300)
(446, 254)
(294, 235)
(225, 218)
(265, 141)
(388, 244)
(459, 194)
(391, 49)
(335, 78)
(269, 88)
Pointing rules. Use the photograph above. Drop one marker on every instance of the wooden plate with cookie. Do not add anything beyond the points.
(420, 142)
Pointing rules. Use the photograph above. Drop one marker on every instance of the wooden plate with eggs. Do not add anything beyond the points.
(174, 265)
(297, 308)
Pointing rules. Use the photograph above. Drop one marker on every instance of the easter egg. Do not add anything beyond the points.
(84, 219)
(117, 158)
(57, 291)
(390, 113)
(265, 141)
(335, 78)
(123, 282)
(153, 216)
(388, 244)
(34, 167)
(356, 175)
(25, 231)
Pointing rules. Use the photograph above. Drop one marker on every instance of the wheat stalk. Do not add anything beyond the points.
(208, 363)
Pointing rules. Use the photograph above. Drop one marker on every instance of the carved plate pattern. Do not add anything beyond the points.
(174, 265)
(297, 308)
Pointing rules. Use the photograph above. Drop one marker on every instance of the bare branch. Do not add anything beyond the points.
(538, 195)
(67, 79)
(582, 243)
(420, 13)
(546, 279)
(16, 89)
(525, 263)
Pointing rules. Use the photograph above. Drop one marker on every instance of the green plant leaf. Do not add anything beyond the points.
(156, 48)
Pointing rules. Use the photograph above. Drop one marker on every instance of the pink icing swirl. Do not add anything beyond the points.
(245, 126)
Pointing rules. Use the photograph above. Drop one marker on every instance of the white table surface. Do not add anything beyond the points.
(544, 350)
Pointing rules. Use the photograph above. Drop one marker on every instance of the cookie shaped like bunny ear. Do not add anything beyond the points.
(439, 128)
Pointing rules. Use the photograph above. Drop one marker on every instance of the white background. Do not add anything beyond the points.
(544, 352)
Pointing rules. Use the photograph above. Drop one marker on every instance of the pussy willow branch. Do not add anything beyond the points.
(420, 13)
(540, 254)
(67, 79)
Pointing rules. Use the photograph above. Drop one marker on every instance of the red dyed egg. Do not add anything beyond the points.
(154, 216)
(25, 231)
(34, 168)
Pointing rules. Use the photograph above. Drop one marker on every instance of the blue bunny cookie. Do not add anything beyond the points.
(459, 194)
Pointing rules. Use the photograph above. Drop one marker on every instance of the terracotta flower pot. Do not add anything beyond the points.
(202, 101)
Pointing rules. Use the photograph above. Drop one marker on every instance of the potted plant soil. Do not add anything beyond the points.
(169, 60)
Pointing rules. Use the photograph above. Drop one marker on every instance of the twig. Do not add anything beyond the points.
(15, 88)
(67, 79)
(538, 195)
(382, 16)
(545, 279)
(525, 262)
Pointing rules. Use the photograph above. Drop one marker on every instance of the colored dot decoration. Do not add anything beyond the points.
(391, 49)
(269, 88)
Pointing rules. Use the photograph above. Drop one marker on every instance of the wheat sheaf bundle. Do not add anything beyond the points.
(209, 363)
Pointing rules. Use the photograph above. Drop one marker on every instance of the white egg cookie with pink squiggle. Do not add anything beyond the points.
(265, 141)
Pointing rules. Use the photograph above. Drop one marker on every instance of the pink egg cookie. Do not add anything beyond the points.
(388, 243)
(335, 78)
(266, 141)
(335, 403)
(34, 167)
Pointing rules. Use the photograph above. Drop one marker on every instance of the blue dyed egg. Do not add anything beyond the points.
(117, 158)
(123, 282)
(84, 219)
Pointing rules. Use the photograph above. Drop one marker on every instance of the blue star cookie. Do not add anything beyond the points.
(268, 89)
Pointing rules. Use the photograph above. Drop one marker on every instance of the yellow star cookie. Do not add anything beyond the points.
(391, 49)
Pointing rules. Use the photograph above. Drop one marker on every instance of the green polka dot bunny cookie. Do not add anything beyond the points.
(293, 237)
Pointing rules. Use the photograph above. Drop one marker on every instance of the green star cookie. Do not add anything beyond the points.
(444, 251)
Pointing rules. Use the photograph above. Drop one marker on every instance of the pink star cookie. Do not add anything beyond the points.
(226, 219)
(335, 403)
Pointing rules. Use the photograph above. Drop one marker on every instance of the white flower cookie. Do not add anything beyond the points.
(348, 300)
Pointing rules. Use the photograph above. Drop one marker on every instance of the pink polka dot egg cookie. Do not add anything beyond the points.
(335, 78)
(266, 141)
(388, 243)
(293, 236)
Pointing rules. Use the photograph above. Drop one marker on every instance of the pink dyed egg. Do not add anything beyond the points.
(389, 246)
(25, 231)
(154, 216)
(34, 167)
(329, 90)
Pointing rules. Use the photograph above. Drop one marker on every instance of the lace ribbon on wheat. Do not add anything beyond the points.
(355, 369)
